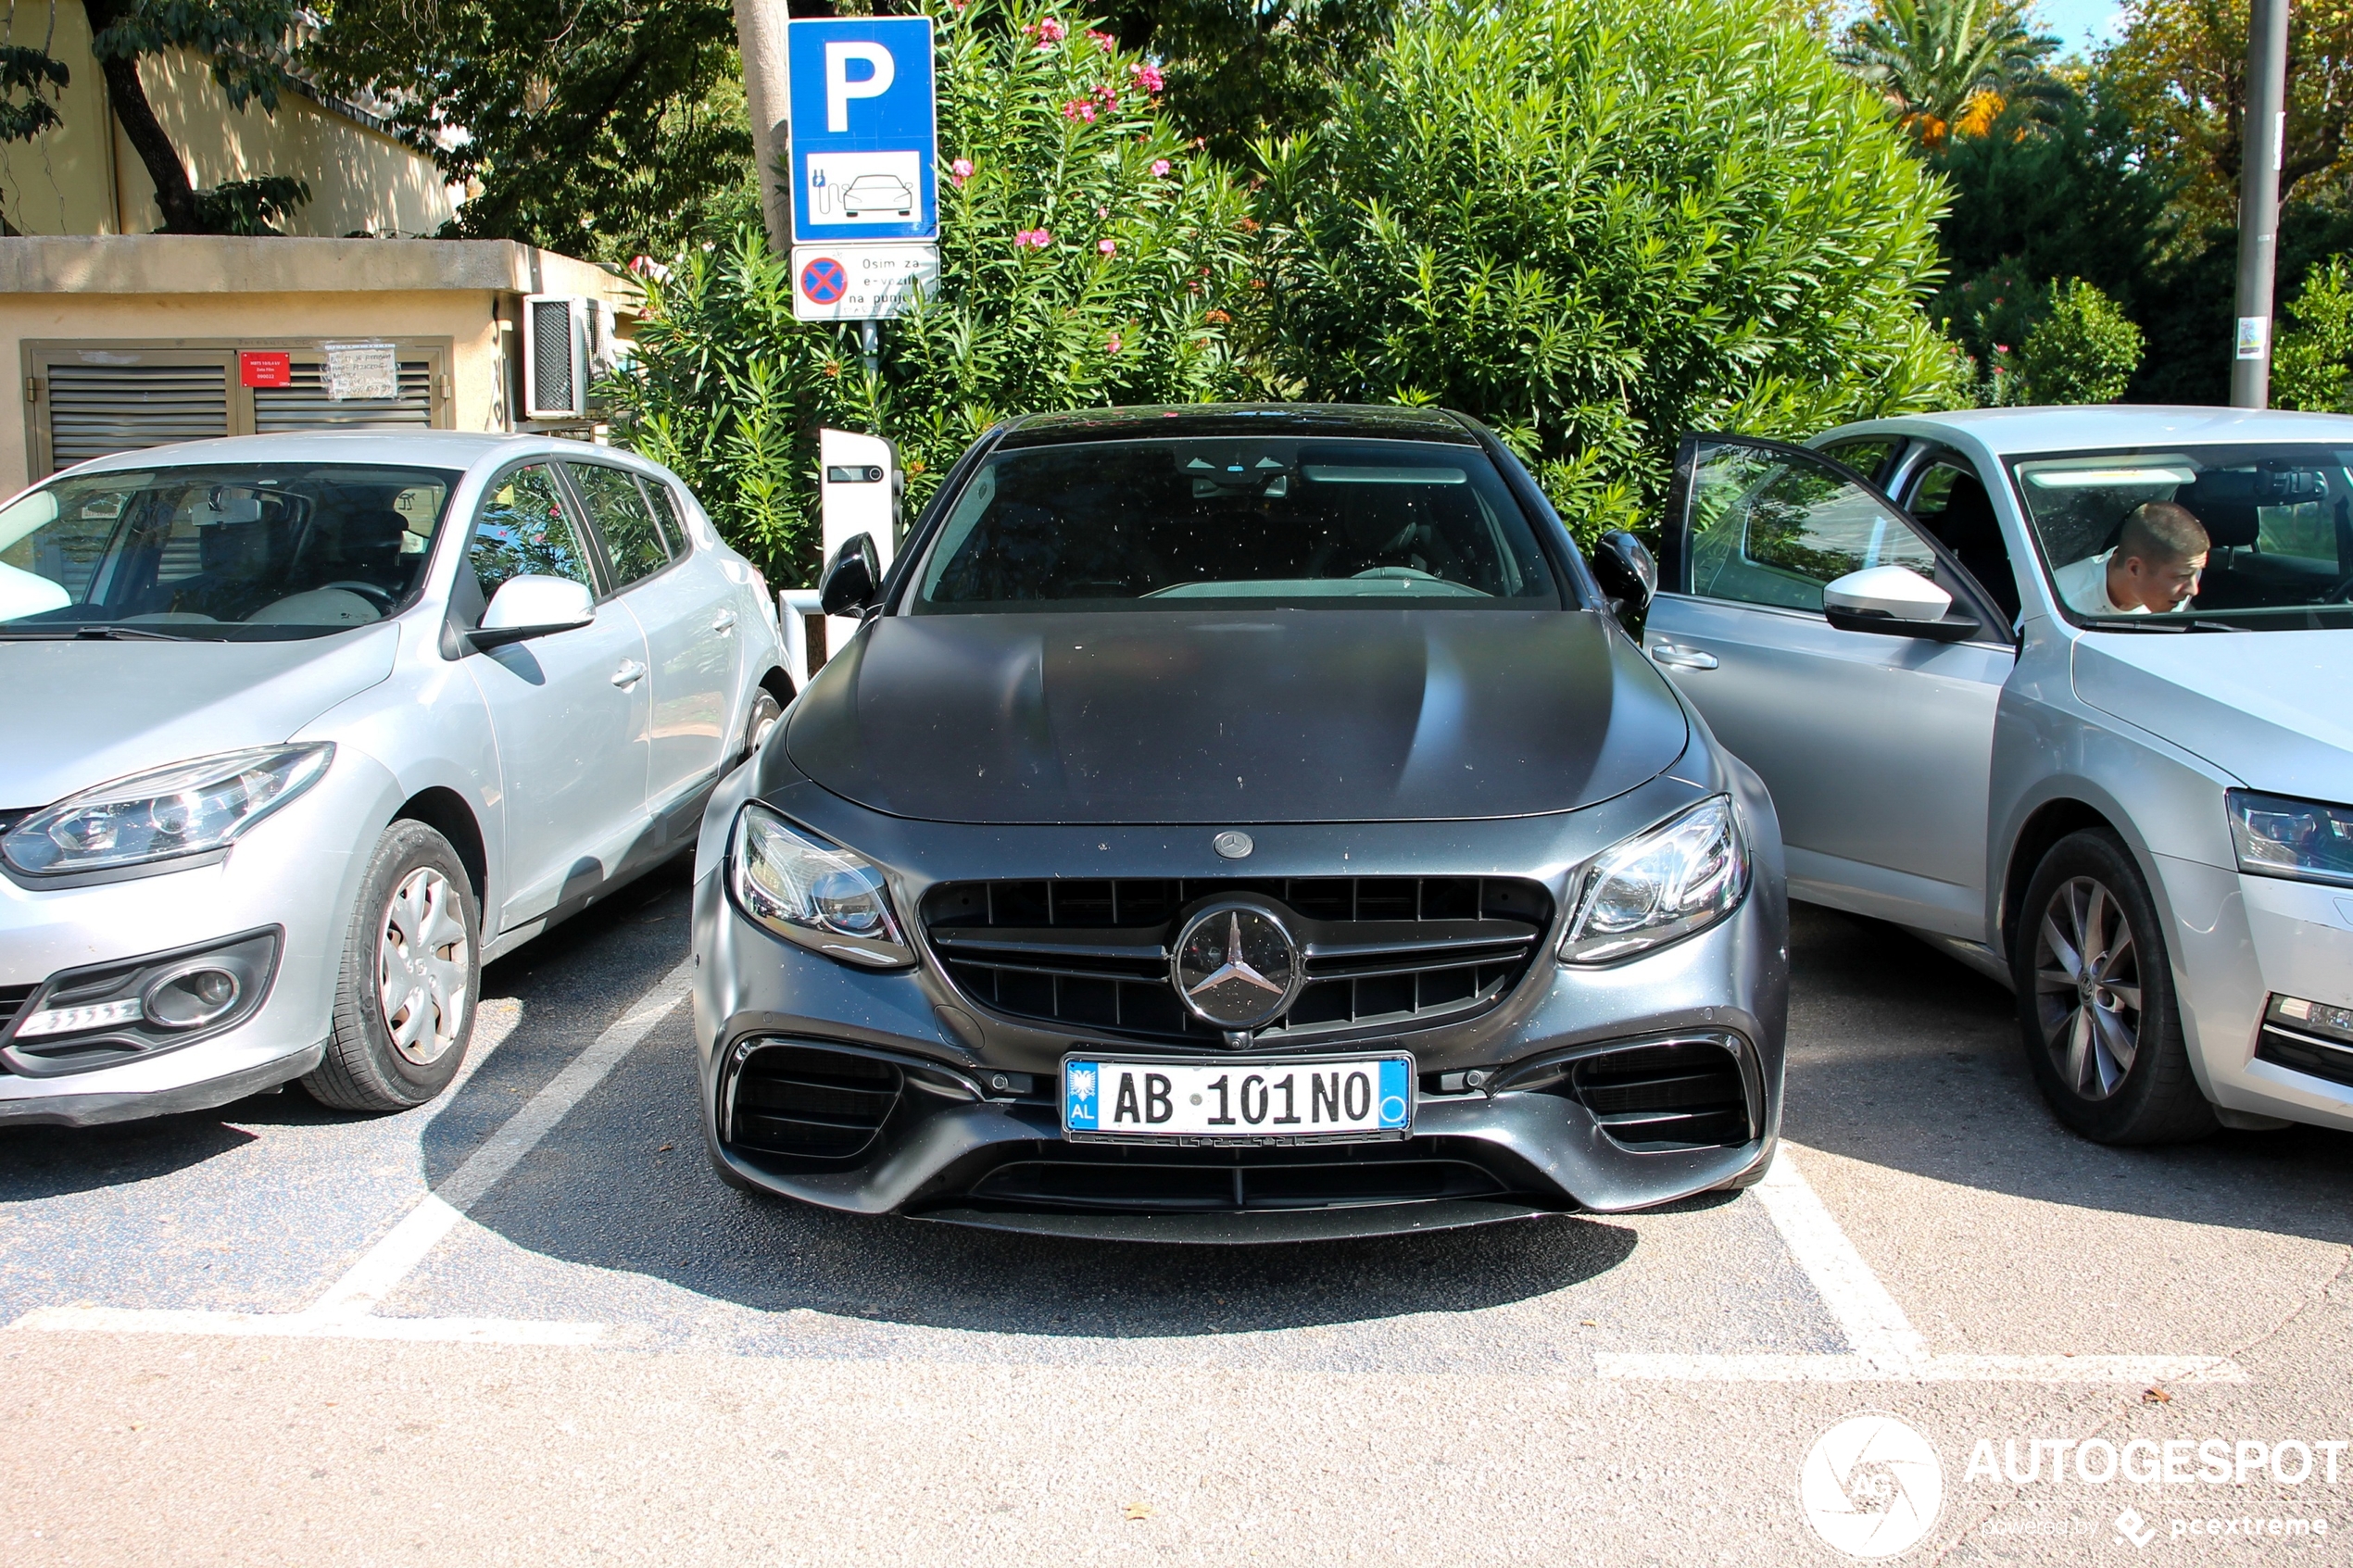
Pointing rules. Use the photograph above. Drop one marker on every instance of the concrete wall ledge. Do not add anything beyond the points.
(203, 264)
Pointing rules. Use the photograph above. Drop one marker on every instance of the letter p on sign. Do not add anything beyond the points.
(840, 89)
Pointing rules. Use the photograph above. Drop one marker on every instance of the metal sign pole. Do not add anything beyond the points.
(2261, 156)
(870, 339)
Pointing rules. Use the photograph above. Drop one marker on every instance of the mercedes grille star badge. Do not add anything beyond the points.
(1233, 845)
(1236, 967)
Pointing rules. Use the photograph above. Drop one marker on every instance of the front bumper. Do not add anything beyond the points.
(298, 871)
(2239, 940)
(956, 1147)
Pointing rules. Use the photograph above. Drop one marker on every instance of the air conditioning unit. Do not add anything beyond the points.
(568, 342)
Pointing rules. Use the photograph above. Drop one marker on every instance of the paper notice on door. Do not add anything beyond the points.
(360, 369)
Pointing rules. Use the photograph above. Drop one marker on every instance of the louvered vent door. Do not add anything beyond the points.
(305, 406)
(98, 409)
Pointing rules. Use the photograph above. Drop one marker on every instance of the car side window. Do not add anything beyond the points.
(1951, 502)
(634, 545)
(666, 509)
(525, 526)
(1867, 455)
(1766, 526)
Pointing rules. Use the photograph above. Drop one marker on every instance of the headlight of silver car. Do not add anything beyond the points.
(2303, 839)
(187, 809)
(813, 893)
(1660, 886)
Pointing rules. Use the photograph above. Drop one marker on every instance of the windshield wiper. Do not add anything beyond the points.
(2155, 623)
(75, 634)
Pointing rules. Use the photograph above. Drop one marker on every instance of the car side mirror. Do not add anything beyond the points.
(1627, 572)
(852, 583)
(1895, 601)
(533, 605)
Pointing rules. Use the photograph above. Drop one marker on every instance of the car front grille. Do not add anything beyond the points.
(12, 1002)
(1178, 1181)
(806, 1104)
(1683, 1095)
(1093, 955)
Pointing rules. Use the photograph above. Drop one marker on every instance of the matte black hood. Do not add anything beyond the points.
(1226, 716)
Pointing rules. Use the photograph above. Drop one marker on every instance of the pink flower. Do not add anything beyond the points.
(1108, 247)
(1078, 108)
(1103, 41)
(1053, 31)
(1160, 167)
(1036, 239)
(2001, 348)
(960, 170)
(1109, 94)
(1147, 77)
(1112, 343)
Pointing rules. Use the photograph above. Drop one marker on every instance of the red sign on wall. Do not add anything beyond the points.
(265, 369)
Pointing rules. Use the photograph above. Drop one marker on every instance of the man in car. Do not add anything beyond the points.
(2154, 566)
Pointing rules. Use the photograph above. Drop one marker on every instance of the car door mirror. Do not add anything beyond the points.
(1627, 573)
(852, 583)
(533, 605)
(1896, 601)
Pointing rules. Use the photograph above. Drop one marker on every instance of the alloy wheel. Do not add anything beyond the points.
(2088, 987)
(422, 965)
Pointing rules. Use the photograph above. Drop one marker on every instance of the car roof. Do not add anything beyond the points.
(1245, 420)
(2017, 431)
(405, 448)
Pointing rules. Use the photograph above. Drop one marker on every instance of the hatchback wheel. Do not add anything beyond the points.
(2095, 999)
(765, 712)
(411, 974)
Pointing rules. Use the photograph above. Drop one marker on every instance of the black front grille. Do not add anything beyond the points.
(2308, 1053)
(12, 1001)
(1688, 1094)
(808, 1104)
(1180, 1181)
(1092, 955)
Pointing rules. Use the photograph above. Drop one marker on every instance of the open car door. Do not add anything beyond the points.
(1840, 652)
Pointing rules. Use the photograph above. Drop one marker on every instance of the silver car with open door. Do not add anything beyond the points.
(301, 730)
(2079, 710)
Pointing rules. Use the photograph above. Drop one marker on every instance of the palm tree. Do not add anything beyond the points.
(1948, 66)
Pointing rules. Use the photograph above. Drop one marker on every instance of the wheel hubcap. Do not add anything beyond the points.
(2088, 987)
(421, 967)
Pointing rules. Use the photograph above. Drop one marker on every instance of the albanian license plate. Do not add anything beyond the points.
(1362, 1096)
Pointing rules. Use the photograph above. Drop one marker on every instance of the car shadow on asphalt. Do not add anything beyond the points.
(1904, 1058)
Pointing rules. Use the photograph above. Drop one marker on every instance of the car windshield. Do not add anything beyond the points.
(248, 552)
(1185, 523)
(2248, 537)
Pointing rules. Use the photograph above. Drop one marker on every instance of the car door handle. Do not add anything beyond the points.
(629, 674)
(1676, 658)
(726, 621)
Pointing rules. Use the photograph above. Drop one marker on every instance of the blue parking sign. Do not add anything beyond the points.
(864, 162)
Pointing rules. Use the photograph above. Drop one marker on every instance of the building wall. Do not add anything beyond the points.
(79, 180)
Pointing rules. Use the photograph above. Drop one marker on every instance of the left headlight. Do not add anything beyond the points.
(2303, 839)
(813, 893)
(1660, 886)
(187, 809)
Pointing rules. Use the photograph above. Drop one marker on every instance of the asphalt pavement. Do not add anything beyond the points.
(528, 1325)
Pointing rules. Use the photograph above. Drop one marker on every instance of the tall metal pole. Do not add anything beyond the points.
(759, 37)
(2259, 160)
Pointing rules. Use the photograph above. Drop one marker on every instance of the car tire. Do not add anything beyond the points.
(2102, 1029)
(412, 977)
(765, 712)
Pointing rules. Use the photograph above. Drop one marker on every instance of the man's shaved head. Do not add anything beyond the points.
(2161, 532)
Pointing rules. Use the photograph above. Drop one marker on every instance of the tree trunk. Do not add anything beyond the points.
(173, 194)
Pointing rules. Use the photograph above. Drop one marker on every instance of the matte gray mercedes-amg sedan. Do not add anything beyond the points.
(1238, 823)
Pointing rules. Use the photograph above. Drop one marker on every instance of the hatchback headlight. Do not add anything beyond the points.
(187, 809)
(813, 893)
(2302, 839)
(1659, 886)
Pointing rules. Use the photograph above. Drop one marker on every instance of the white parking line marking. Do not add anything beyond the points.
(345, 1311)
(1887, 1348)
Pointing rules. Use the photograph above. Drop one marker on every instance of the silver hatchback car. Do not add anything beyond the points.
(300, 731)
(2069, 693)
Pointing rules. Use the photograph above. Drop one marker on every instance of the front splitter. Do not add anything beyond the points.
(1245, 1227)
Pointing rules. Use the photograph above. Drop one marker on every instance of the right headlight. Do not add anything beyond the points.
(165, 813)
(2302, 839)
(1660, 886)
(812, 892)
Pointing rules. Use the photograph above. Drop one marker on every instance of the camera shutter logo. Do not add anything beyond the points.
(1871, 1486)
